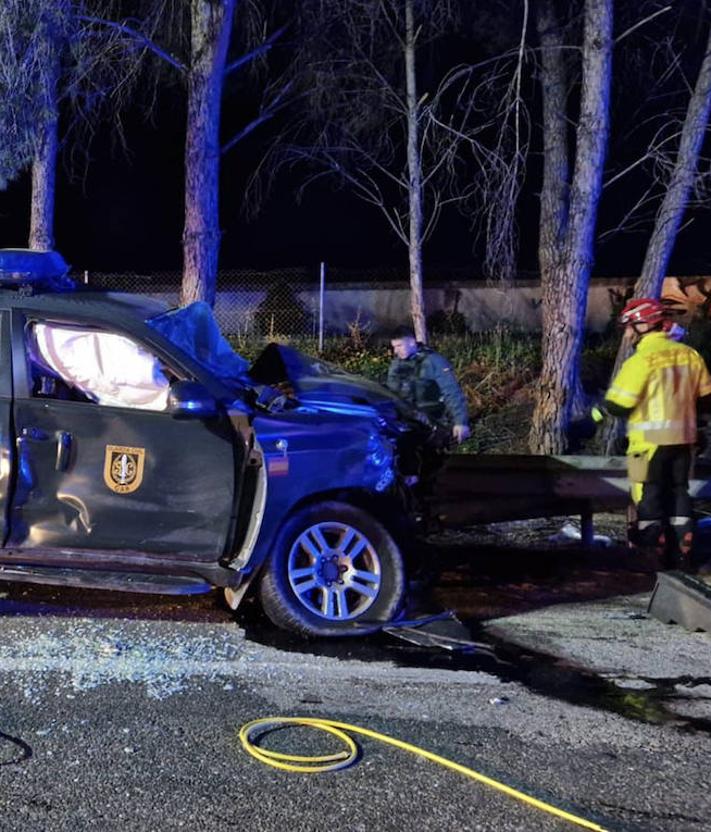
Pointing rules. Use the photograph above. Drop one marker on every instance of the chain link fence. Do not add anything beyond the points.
(303, 303)
(309, 304)
(249, 303)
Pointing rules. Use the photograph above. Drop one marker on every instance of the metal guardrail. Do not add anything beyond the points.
(484, 488)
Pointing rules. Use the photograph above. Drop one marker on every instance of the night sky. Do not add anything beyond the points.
(127, 214)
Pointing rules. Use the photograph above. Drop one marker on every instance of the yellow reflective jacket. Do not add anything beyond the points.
(661, 381)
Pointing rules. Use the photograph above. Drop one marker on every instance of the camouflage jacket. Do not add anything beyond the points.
(427, 382)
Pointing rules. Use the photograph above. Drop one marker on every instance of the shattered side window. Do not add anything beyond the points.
(96, 366)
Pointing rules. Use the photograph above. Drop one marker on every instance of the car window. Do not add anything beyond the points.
(94, 365)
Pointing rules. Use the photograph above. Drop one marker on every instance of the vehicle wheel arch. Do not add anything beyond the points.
(321, 610)
(387, 509)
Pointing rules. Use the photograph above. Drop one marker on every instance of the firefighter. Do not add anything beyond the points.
(425, 379)
(657, 390)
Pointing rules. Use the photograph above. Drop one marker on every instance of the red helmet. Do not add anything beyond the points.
(642, 311)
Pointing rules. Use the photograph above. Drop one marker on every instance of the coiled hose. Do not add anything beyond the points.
(332, 762)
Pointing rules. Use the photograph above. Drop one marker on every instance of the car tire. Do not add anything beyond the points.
(334, 571)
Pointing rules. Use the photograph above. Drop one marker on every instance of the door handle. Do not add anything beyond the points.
(36, 434)
(64, 450)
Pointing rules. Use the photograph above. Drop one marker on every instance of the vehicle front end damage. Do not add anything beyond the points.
(284, 377)
(142, 454)
(337, 521)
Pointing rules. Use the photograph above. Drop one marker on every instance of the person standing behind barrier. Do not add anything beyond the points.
(657, 390)
(425, 379)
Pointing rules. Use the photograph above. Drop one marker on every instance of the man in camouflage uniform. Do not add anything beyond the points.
(425, 379)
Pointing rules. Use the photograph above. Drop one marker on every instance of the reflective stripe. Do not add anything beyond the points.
(645, 524)
(661, 424)
(619, 392)
(680, 521)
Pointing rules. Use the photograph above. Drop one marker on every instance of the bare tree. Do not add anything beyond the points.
(568, 215)
(28, 70)
(650, 110)
(54, 60)
(46, 144)
(679, 176)
(194, 38)
(679, 184)
(211, 29)
(387, 117)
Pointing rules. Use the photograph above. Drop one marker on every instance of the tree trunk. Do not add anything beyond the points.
(570, 275)
(670, 214)
(556, 165)
(553, 219)
(211, 22)
(414, 168)
(671, 211)
(44, 163)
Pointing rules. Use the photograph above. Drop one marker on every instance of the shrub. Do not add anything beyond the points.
(443, 322)
(281, 312)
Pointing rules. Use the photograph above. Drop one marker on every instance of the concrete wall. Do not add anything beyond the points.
(379, 307)
(484, 307)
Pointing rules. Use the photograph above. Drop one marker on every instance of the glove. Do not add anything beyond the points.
(460, 433)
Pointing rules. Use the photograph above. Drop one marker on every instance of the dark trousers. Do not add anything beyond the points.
(662, 498)
(666, 490)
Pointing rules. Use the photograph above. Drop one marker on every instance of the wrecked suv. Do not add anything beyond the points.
(140, 453)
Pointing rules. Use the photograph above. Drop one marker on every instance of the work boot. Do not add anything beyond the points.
(651, 541)
(683, 528)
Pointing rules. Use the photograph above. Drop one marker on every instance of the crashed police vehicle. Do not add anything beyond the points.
(140, 453)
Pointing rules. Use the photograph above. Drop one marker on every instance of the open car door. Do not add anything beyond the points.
(93, 473)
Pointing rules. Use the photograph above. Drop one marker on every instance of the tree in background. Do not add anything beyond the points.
(677, 171)
(31, 34)
(196, 38)
(568, 211)
(55, 60)
(54, 23)
(383, 112)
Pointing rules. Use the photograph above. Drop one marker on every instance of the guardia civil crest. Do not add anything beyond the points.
(123, 468)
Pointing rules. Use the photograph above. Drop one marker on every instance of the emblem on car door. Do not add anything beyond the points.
(123, 468)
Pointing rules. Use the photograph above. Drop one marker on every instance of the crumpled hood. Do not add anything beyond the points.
(318, 384)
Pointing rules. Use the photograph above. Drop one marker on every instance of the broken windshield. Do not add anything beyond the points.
(194, 330)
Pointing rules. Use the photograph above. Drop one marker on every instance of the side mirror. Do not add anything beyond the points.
(192, 399)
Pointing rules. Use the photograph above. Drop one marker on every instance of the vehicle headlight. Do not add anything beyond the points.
(380, 456)
(380, 452)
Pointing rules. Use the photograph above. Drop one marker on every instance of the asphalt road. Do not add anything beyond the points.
(119, 712)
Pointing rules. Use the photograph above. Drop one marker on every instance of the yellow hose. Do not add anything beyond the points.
(332, 762)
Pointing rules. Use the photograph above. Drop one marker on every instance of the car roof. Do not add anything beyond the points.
(104, 307)
(115, 310)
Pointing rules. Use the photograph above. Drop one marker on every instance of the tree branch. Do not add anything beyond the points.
(268, 112)
(134, 34)
(641, 23)
(256, 52)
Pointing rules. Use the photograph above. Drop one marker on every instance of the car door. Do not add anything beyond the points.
(6, 433)
(103, 477)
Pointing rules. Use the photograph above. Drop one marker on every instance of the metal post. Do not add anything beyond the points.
(587, 527)
(321, 292)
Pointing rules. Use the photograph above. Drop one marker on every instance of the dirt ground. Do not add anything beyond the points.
(504, 568)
